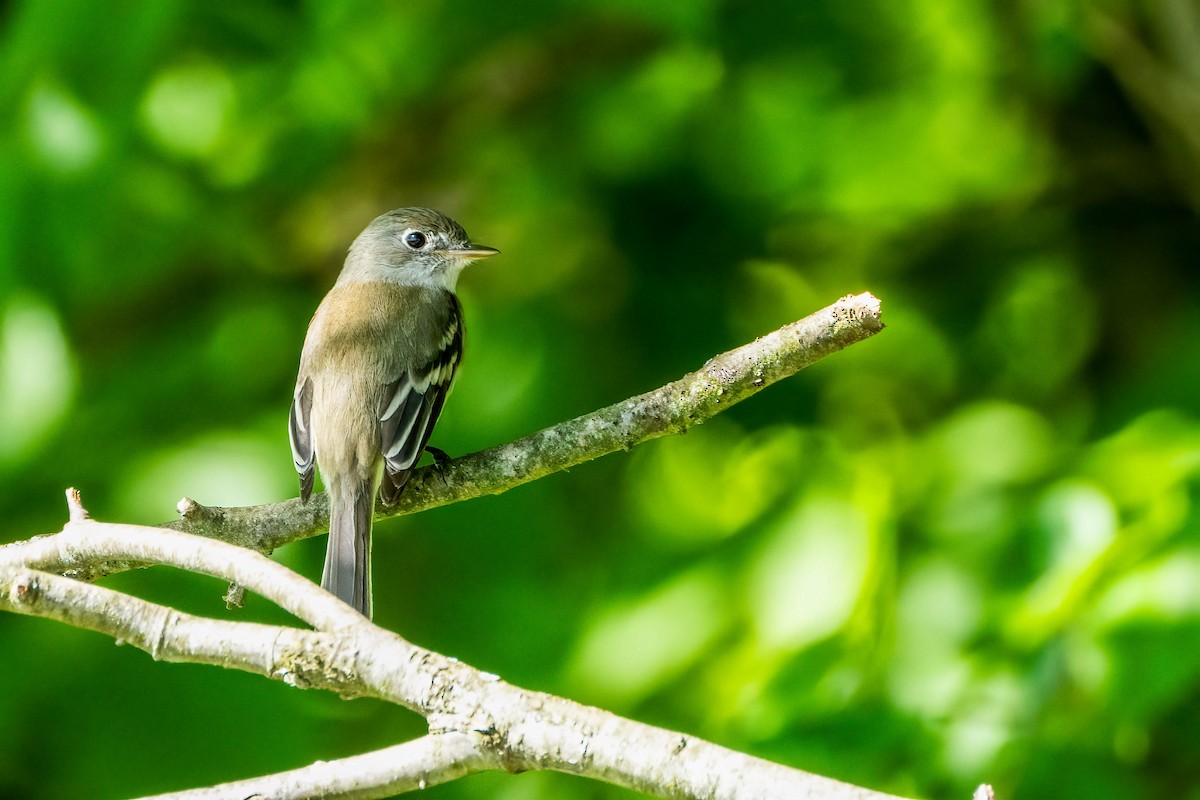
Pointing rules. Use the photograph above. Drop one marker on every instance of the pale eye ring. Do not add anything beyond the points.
(414, 239)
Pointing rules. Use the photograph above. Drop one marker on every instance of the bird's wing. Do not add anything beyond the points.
(300, 434)
(412, 403)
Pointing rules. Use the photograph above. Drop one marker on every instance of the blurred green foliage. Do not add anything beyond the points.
(964, 550)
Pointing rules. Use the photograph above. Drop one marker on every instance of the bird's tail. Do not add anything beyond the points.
(348, 554)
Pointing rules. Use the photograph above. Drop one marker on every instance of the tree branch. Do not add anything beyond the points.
(476, 720)
(418, 764)
(91, 542)
(722, 382)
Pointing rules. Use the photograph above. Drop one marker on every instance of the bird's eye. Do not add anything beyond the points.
(414, 239)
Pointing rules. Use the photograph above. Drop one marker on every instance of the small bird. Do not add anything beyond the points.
(379, 359)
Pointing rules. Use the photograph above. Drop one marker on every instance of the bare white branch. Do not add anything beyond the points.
(413, 765)
(505, 726)
(86, 542)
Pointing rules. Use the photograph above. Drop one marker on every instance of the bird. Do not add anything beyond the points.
(380, 356)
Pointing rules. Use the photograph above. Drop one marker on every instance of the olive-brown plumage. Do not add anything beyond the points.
(380, 356)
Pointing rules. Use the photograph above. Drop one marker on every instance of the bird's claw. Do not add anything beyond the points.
(440, 459)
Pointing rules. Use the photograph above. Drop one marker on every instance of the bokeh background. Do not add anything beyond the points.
(962, 551)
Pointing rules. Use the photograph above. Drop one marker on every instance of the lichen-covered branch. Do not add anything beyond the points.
(722, 382)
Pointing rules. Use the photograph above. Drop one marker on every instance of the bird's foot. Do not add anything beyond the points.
(440, 459)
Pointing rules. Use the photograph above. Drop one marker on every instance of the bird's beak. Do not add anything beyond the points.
(473, 252)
